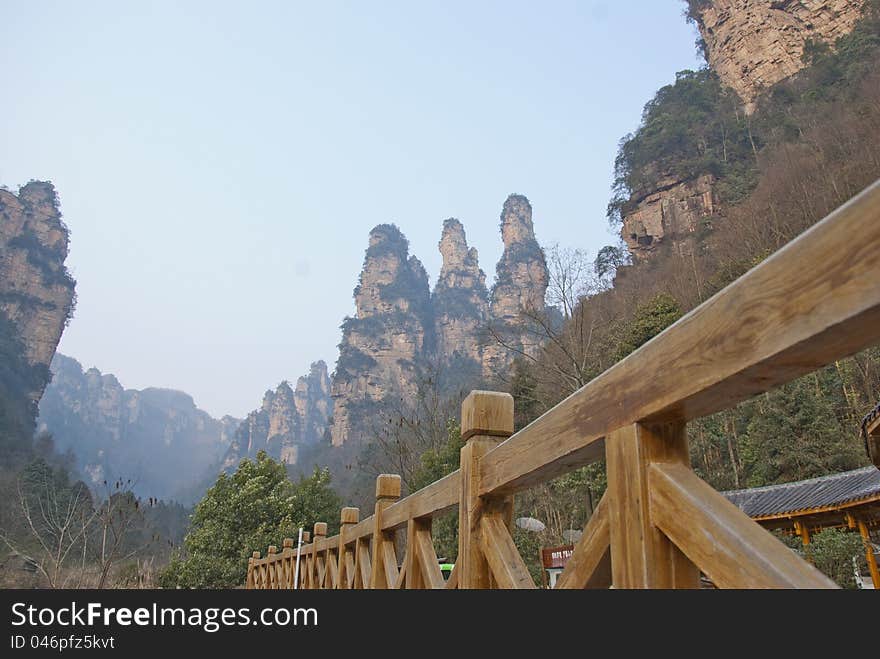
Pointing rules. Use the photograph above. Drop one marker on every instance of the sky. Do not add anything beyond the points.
(220, 165)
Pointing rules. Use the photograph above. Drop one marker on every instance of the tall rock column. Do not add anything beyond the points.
(36, 290)
(384, 343)
(313, 402)
(461, 307)
(521, 280)
(36, 301)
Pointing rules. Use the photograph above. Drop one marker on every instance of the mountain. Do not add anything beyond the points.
(288, 421)
(157, 438)
(403, 335)
(36, 301)
(697, 150)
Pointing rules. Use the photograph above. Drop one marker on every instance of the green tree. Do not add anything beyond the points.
(650, 319)
(255, 507)
(832, 551)
(793, 432)
(435, 464)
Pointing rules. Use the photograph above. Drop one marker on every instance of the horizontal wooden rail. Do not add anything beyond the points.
(814, 301)
(438, 497)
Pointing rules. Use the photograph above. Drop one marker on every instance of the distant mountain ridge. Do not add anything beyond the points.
(158, 438)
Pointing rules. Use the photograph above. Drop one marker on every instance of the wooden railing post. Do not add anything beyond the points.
(383, 573)
(319, 532)
(486, 419)
(271, 563)
(345, 569)
(255, 572)
(641, 555)
(287, 555)
(304, 561)
(249, 581)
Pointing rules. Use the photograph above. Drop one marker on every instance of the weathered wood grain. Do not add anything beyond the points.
(641, 556)
(730, 548)
(435, 499)
(384, 562)
(590, 564)
(492, 414)
(507, 566)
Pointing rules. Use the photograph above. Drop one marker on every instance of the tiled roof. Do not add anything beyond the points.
(819, 492)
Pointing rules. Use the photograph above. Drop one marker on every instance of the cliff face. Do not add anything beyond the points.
(668, 214)
(521, 280)
(36, 291)
(158, 438)
(460, 301)
(313, 403)
(389, 335)
(750, 45)
(288, 420)
(753, 44)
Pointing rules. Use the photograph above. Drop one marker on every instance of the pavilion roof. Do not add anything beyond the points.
(822, 492)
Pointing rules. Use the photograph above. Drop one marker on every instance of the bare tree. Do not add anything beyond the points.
(65, 535)
(115, 519)
(58, 520)
(408, 426)
(559, 335)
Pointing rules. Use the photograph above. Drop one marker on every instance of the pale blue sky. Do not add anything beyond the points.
(221, 164)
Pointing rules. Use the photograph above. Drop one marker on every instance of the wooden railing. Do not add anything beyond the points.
(658, 524)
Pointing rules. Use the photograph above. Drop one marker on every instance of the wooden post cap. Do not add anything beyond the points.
(349, 515)
(256, 554)
(487, 413)
(388, 486)
(320, 529)
(287, 543)
(273, 549)
(307, 536)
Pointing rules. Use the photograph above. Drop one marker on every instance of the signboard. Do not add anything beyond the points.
(556, 557)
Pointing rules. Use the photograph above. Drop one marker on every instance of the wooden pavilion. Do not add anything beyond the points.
(850, 499)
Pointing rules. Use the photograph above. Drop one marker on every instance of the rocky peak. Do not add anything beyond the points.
(36, 290)
(521, 280)
(521, 274)
(753, 44)
(309, 387)
(390, 280)
(516, 221)
(390, 333)
(458, 259)
(287, 419)
(460, 300)
(312, 397)
(284, 424)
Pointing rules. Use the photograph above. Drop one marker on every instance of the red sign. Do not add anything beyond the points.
(556, 557)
